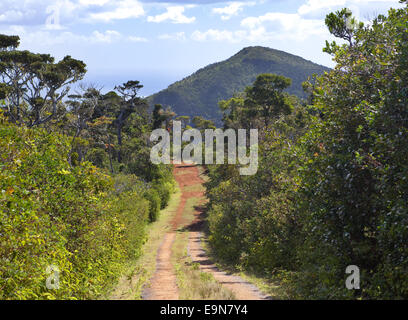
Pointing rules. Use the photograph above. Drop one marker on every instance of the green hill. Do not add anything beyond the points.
(199, 93)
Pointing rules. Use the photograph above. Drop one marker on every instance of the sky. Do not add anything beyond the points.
(159, 42)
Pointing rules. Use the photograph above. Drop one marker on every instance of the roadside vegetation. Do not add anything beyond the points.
(331, 188)
(138, 272)
(77, 189)
(80, 200)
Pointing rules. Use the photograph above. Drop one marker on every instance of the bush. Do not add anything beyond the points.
(164, 190)
(335, 195)
(54, 214)
(98, 157)
(154, 204)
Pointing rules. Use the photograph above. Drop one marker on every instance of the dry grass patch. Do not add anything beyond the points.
(194, 284)
(139, 272)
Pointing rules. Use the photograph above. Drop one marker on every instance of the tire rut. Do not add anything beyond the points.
(163, 284)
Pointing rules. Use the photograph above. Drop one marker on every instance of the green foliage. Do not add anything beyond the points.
(252, 219)
(9, 42)
(158, 117)
(199, 94)
(56, 208)
(354, 190)
(54, 214)
(154, 204)
(98, 157)
(164, 190)
(342, 25)
(331, 188)
(34, 84)
(202, 124)
(265, 98)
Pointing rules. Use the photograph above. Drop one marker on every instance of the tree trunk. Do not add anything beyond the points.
(119, 132)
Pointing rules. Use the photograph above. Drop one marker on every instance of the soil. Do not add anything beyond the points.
(163, 284)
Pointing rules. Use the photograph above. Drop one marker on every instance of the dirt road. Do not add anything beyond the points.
(163, 285)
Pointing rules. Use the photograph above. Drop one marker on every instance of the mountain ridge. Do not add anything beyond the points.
(199, 93)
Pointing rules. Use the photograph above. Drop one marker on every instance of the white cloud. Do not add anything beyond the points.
(318, 9)
(108, 36)
(254, 35)
(232, 9)
(173, 14)
(214, 35)
(29, 12)
(180, 36)
(11, 15)
(65, 12)
(290, 25)
(137, 39)
(41, 39)
(317, 5)
(268, 27)
(31, 40)
(304, 25)
(93, 2)
(124, 9)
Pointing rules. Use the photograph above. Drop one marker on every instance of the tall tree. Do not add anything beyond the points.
(33, 84)
(202, 124)
(157, 116)
(185, 120)
(266, 96)
(81, 110)
(355, 182)
(130, 103)
(342, 25)
(168, 114)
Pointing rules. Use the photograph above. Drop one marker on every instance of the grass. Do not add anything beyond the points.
(271, 286)
(194, 284)
(137, 273)
(194, 188)
(201, 170)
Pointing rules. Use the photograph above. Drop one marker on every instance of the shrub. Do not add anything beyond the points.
(154, 204)
(164, 190)
(54, 214)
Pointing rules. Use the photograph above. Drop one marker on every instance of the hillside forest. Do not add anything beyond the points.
(200, 93)
(77, 185)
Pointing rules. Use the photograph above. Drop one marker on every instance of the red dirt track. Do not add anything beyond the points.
(163, 284)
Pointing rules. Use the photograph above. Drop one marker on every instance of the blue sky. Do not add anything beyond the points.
(159, 42)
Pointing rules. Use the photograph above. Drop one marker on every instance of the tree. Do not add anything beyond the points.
(9, 42)
(158, 117)
(342, 25)
(168, 114)
(185, 120)
(33, 84)
(81, 110)
(130, 102)
(201, 123)
(266, 96)
(354, 186)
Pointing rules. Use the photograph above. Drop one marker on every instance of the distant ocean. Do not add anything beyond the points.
(152, 81)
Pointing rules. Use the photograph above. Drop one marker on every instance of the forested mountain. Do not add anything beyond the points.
(199, 94)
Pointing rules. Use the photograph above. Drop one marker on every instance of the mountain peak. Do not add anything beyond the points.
(199, 93)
